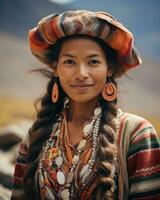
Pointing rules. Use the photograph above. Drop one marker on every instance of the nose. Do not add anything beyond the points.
(82, 72)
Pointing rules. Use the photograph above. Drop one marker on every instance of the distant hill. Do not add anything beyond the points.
(17, 16)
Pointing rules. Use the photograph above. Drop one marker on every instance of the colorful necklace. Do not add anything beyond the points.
(53, 160)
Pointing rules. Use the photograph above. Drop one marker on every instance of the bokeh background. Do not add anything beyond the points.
(139, 92)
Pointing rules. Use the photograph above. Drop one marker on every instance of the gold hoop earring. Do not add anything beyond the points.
(55, 93)
(109, 92)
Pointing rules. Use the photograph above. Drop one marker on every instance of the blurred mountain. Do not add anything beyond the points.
(17, 16)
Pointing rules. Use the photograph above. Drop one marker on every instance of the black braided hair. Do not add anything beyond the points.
(47, 116)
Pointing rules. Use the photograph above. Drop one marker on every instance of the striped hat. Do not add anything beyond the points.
(97, 24)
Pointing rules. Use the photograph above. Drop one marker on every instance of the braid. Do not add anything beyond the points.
(106, 151)
(107, 134)
(39, 133)
(47, 116)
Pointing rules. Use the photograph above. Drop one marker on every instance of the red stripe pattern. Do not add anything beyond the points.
(142, 156)
(96, 24)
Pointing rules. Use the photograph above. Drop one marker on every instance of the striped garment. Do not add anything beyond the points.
(82, 22)
(139, 164)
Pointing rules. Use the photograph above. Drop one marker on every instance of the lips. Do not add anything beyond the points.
(81, 87)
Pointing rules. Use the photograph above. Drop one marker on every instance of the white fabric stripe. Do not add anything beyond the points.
(146, 186)
(142, 151)
(145, 128)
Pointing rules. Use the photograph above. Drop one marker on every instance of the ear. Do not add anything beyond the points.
(109, 72)
(55, 72)
(54, 68)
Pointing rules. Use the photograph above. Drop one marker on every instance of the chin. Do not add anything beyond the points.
(84, 99)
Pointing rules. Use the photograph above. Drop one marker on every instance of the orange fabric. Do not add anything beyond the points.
(36, 44)
(94, 24)
(49, 34)
(55, 27)
(119, 41)
(87, 156)
(83, 160)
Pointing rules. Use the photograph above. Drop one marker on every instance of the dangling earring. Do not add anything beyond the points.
(109, 92)
(55, 92)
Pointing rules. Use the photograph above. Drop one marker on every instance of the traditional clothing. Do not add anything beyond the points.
(73, 175)
(138, 166)
(82, 22)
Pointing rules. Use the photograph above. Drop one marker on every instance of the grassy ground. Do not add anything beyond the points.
(13, 110)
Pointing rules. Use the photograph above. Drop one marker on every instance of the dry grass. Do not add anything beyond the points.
(13, 110)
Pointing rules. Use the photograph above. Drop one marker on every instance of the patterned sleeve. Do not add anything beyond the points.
(20, 167)
(144, 163)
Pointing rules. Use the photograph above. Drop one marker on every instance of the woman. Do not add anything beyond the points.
(82, 146)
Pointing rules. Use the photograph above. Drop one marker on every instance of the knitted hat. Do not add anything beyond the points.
(97, 24)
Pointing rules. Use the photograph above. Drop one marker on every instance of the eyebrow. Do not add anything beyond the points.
(67, 55)
(94, 55)
(72, 56)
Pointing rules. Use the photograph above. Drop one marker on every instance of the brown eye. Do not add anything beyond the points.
(69, 62)
(94, 62)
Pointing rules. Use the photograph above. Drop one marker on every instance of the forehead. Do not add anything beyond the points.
(81, 45)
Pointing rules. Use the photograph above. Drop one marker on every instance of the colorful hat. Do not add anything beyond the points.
(96, 24)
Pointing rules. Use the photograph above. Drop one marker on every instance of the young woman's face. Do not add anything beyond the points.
(82, 69)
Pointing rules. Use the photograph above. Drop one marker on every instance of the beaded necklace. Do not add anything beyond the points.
(59, 167)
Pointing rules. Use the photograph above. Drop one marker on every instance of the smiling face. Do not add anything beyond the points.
(82, 69)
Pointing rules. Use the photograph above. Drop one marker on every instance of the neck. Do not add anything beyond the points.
(81, 112)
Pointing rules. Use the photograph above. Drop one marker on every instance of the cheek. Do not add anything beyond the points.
(64, 85)
(64, 77)
(63, 81)
(62, 74)
(101, 76)
(101, 83)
